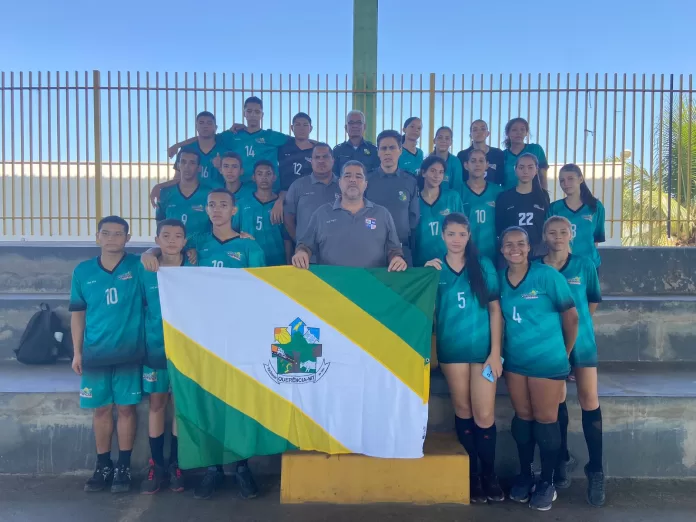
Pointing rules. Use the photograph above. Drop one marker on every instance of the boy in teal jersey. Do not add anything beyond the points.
(412, 157)
(584, 211)
(231, 166)
(478, 198)
(254, 217)
(581, 275)
(516, 132)
(436, 202)
(468, 327)
(171, 238)
(186, 200)
(108, 336)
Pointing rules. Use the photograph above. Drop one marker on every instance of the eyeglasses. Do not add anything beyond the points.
(358, 122)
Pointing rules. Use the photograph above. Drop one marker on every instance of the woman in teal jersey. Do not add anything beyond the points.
(436, 203)
(584, 211)
(478, 197)
(454, 178)
(411, 157)
(516, 132)
(582, 279)
(541, 325)
(468, 331)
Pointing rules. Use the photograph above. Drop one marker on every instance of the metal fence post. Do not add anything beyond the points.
(431, 113)
(96, 91)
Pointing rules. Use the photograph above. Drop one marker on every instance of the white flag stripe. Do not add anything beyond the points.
(356, 399)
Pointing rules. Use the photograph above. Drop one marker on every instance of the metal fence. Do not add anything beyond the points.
(79, 146)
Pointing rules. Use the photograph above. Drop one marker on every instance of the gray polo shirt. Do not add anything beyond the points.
(307, 194)
(397, 192)
(366, 239)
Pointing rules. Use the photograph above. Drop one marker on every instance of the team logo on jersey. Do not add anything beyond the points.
(402, 196)
(445, 212)
(260, 140)
(235, 255)
(86, 393)
(126, 276)
(296, 354)
(538, 207)
(577, 280)
(367, 152)
(531, 295)
(491, 203)
(198, 208)
(494, 166)
(588, 217)
(308, 160)
(371, 223)
(150, 377)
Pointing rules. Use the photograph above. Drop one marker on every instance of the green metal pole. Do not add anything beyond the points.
(365, 63)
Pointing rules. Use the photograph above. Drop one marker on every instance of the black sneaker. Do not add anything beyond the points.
(476, 494)
(211, 480)
(246, 483)
(176, 478)
(102, 476)
(595, 488)
(561, 476)
(156, 476)
(522, 488)
(122, 480)
(492, 489)
(543, 496)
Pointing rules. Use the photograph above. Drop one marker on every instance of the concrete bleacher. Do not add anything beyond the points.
(646, 331)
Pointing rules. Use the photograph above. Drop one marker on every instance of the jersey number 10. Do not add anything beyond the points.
(480, 216)
(111, 296)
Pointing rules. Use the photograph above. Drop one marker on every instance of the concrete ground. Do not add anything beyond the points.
(26, 499)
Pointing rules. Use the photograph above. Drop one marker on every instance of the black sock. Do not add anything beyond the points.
(174, 450)
(465, 434)
(104, 460)
(124, 457)
(157, 449)
(218, 468)
(563, 425)
(523, 433)
(242, 463)
(592, 428)
(485, 445)
(548, 437)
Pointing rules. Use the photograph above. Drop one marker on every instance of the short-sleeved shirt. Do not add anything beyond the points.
(208, 175)
(254, 218)
(510, 179)
(581, 275)
(113, 305)
(587, 227)
(533, 336)
(496, 164)
(428, 236)
(172, 204)
(255, 146)
(398, 193)
(409, 162)
(154, 336)
(245, 191)
(293, 163)
(237, 252)
(454, 179)
(365, 153)
(480, 209)
(305, 196)
(366, 239)
(527, 211)
(462, 325)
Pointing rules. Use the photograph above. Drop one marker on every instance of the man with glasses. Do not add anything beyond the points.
(356, 148)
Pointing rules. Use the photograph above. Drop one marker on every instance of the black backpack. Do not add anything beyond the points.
(38, 344)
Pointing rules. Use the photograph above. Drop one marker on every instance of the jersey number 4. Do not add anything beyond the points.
(526, 219)
(111, 296)
(516, 316)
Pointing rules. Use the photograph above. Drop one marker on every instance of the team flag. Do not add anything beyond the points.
(266, 360)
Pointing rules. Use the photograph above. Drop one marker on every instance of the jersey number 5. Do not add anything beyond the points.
(515, 316)
(461, 299)
(111, 296)
(526, 219)
(259, 222)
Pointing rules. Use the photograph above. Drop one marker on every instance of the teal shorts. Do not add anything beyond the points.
(120, 385)
(155, 381)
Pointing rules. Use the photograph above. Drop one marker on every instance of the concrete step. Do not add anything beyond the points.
(649, 413)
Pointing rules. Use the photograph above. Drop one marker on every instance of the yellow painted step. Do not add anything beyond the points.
(440, 477)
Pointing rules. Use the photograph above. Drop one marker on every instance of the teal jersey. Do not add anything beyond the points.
(510, 180)
(410, 162)
(245, 191)
(480, 209)
(428, 234)
(208, 175)
(581, 275)
(252, 147)
(172, 204)
(587, 228)
(154, 335)
(234, 253)
(533, 341)
(454, 174)
(113, 306)
(462, 325)
(254, 218)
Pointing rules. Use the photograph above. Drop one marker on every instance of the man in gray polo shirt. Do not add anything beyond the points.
(351, 231)
(308, 193)
(395, 189)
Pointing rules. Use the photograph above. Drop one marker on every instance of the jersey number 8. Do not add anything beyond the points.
(111, 296)
(573, 231)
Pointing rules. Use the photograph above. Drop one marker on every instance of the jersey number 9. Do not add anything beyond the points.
(111, 296)
(184, 218)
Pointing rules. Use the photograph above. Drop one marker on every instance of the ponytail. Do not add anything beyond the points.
(585, 193)
(406, 124)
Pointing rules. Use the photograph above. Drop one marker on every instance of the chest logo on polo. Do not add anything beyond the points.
(371, 223)
(126, 276)
(577, 280)
(531, 295)
(402, 196)
(235, 255)
(366, 152)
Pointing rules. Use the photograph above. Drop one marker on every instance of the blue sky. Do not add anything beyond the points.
(311, 37)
